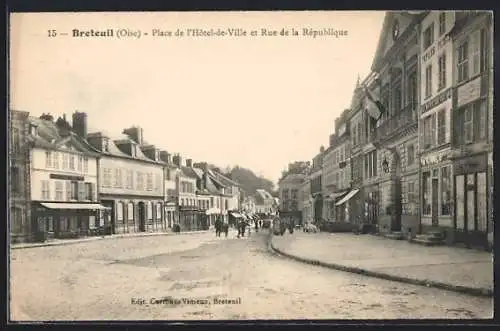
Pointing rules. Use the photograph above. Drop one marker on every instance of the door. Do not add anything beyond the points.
(142, 217)
(435, 202)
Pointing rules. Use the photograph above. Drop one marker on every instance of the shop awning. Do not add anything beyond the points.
(237, 215)
(62, 205)
(335, 195)
(213, 211)
(347, 197)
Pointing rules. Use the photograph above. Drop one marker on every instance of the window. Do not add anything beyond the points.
(433, 129)
(426, 183)
(15, 180)
(411, 154)
(158, 211)
(149, 182)
(74, 190)
(106, 178)
(130, 179)
(484, 51)
(411, 193)
(396, 98)
(284, 195)
(105, 145)
(48, 159)
(428, 81)
(429, 36)
(412, 90)
(442, 23)
(45, 190)
(446, 191)
(118, 178)
(158, 180)
(15, 142)
(130, 211)
(359, 132)
(85, 164)
(211, 202)
(65, 161)
(442, 72)
(463, 62)
(441, 129)
(140, 181)
(150, 210)
(182, 202)
(88, 191)
(119, 211)
(59, 190)
(468, 125)
(80, 162)
(55, 161)
(476, 53)
(354, 141)
(72, 162)
(81, 191)
(226, 204)
(68, 191)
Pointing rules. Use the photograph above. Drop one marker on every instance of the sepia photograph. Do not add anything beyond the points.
(250, 165)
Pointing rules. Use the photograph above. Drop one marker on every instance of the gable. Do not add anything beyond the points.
(393, 22)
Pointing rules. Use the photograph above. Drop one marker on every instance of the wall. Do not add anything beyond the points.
(126, 166)
(40, 172)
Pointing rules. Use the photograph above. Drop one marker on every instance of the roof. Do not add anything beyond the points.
(189, 172)
(264, 194)
(48, 137)
(114, 150)
(225, 180)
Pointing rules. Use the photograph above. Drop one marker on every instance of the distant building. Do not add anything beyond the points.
(316, 177)
(264, 202)
(289, 189)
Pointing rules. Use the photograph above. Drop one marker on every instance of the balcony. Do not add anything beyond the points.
(395, 125)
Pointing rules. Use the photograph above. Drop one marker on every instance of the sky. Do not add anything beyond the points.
(259, 102)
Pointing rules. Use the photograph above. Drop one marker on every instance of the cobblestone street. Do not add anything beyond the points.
(109, 279)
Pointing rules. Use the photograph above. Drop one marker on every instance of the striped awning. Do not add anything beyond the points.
(347, 197)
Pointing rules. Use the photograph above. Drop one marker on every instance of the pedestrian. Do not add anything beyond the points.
(256, 226)
(218, 225)
(226, 228)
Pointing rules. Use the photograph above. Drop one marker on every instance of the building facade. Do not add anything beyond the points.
(289, 192)
(436, 64)
(170, 189)
(264, 202)
(392, 140)
(472, 138)
(316, 192)
(19, 177)
(64, 172)
(130, 183)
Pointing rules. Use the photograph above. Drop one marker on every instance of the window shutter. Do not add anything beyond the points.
(92, 190)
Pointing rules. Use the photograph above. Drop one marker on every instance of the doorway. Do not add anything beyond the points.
(435, 203)
(142, 217)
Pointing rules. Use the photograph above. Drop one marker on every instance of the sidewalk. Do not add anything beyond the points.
(59, 242)
(456, 269)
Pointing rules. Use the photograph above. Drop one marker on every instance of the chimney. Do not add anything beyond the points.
(47, 117)
(135, 133)
(63, 126)
(80, 124)
(189, 163)
(177, 160)
(164, 156)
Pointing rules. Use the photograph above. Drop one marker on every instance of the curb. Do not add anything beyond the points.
(481, 292)
(91, 239)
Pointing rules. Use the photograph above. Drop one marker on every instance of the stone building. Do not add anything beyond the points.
(390, 159)
(472, 134)
(19, 176)
(130, 182)
(289, 189)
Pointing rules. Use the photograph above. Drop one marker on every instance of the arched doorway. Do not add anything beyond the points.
(142, 216)
(318, 208)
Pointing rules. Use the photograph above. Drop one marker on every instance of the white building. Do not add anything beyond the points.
(64, 193)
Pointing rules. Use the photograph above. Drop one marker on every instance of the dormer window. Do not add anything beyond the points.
(133, 150)
(33, 129)
(105, 145)
(157, 155)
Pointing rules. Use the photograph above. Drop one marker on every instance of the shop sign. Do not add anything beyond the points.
(433, 159)
(469, 92)
(67, 177)
(436, 101)
(471, 165)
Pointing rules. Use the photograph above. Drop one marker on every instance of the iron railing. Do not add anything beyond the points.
(407, 117)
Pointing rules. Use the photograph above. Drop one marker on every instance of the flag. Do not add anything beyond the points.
(373, 106)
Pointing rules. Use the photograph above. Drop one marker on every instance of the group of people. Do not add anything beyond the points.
(241, 225)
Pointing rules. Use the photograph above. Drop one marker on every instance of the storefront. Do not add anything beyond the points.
(190, 218)
(171, 215)
(437, 193)
(67, 220)
(348, 208)
(471, 200)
